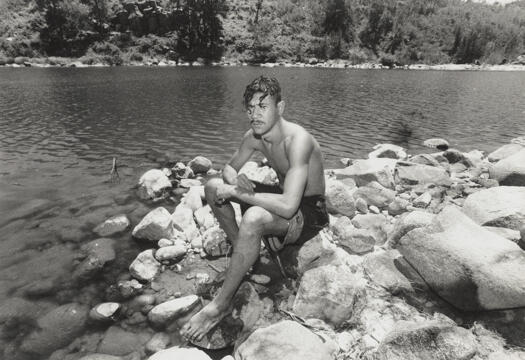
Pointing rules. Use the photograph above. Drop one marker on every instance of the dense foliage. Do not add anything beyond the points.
(389, 31)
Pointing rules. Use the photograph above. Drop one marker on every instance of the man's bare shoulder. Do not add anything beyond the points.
(298, 134)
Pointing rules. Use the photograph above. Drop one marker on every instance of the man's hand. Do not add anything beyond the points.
(244, 184)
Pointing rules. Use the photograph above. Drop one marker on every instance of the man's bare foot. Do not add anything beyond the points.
(202, 322)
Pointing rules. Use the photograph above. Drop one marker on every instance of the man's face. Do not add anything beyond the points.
(262, 112)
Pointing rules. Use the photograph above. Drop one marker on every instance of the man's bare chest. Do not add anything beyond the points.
(277, 157)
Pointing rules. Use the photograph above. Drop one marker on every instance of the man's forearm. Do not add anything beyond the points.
(274, 203)
(229, 175)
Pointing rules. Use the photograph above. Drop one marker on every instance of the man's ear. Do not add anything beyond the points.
(280, 107)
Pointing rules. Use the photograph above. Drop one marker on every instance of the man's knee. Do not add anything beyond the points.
(254, 218)
(211, 187)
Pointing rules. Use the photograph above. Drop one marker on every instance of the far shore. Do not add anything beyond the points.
(336, 64)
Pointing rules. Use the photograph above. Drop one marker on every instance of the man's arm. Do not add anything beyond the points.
(287, 203)
(239, 158)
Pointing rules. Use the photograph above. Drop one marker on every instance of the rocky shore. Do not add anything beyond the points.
(316, 63)
(423, 259)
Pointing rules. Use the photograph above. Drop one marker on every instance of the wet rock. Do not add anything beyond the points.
(129, 288)
(478, 269)
(173, 252)
(263, 174)
(375, 194)
(510, 170)
(152, 184)
(204, 217)
(285, 340)
(145, 267)
(214, 242)
(380, 268)
(105, 311)
(502, 206)
(169, 310)
(158, 342)
(423, 200)
(408, 222)
(398, 206)
(339, 198)
(328, 293)
(183, 218)
(412, 174)
(98, 253)
(56, 329)
(380, 170)
(388, 151)
(504, 152)
(177, 352)
(430, 340)
(436, 143)
(200, 164)
(112, 226)
(120, 342)
(157, 224)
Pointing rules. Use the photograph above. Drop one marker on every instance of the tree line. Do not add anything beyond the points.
(389, 31)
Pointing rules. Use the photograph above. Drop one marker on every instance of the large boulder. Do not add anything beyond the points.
(407, 222)
(427, 340)
(285, 340)
(502, 206)
(145, 267)
(478, 270)
(380, 170)
(56, 329)
(339, 198)
(156, 225)
(329, 293)
(408, 173)
(510, 170)
(153, 183)
(504, 152)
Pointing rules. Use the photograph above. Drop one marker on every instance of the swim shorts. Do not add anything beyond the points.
(311, 217)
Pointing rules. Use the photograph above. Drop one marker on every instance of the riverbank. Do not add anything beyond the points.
(313, 63)
(365, 287)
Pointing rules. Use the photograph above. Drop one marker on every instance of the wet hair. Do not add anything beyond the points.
(265, 85)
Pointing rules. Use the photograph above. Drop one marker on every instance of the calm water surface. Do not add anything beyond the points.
(60, 129)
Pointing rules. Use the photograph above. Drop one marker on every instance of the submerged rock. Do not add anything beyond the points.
(56, 329)
(478, 269)
(98, 253)
(120, 342)
(113, 225)
(285, 340)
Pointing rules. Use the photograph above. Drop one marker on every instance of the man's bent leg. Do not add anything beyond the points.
(256, 222)
(224, 213)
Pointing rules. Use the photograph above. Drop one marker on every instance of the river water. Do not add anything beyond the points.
(61, 127)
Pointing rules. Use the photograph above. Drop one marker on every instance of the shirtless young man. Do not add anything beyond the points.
(294, 209)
